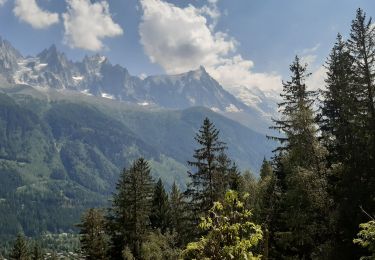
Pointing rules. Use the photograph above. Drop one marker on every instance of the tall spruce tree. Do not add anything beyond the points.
(178, 214)
(297, 121)
(340, 123)
(131, 208)
(227, 175)
(300, 229)
(348, 126)
(20, 250)
(160, 215)
(206, 183)
(267, 198)
(339, 108)
(235, 179)
(94, 240)
(362, 48)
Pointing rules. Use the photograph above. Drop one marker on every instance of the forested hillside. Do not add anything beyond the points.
(60, 157)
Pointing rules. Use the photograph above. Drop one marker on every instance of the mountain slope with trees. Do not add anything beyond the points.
(59, 156)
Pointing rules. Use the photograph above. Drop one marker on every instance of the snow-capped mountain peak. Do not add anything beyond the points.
(96, 76)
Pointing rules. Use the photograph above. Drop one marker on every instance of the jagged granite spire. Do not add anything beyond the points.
(9, 58)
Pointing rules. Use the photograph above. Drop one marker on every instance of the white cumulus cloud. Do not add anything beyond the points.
(308, 59)
(317, 78)
(182, 39)
(87, 24)
(236, 71)
(178, 38)
(318, 72)
(29, 12)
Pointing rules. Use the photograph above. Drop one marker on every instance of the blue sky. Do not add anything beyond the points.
(240, 42)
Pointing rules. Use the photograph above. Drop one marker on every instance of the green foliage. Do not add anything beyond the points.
(63, 242)
(301, 175)
(62, 155)
(235, 179)
(160, 213)
(208, 182)
(178, 214)
(230, 232)
(127, 254)
(265, 170)
(160, 246)
(267, 197)
(347, 124)
(94, 240)
(20, 250)
(250, 187)
(366, 238)
(37, 252)
(131, 208)
(340, 104)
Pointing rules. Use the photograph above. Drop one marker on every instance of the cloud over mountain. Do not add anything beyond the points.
(28, 11)
(179, 39)
(183, 38)
(87, 24)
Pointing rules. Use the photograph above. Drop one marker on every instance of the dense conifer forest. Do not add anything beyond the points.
(315, 199)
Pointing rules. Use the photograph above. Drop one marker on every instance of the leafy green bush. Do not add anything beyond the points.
(230, 232)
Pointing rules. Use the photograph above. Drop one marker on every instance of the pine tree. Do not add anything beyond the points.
(206, 187)
(226, 175)
(178, 214)
(20, 250)
(37, 252)
(267, 198)
(348, 128)
(266, 194)
(249, 187)
(131, 208)
(266, 169)
(300, 172)
(341, 134)
(362, 48)
(340, 104)
(235, 179)
(160, 217)
(94, 240)
(297, 121)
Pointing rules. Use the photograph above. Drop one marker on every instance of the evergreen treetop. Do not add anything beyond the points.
(20, 250)
(160, 216)
(131, 208)
(204, 188)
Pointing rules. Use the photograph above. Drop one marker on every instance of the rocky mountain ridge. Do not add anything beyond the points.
(96, 75)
